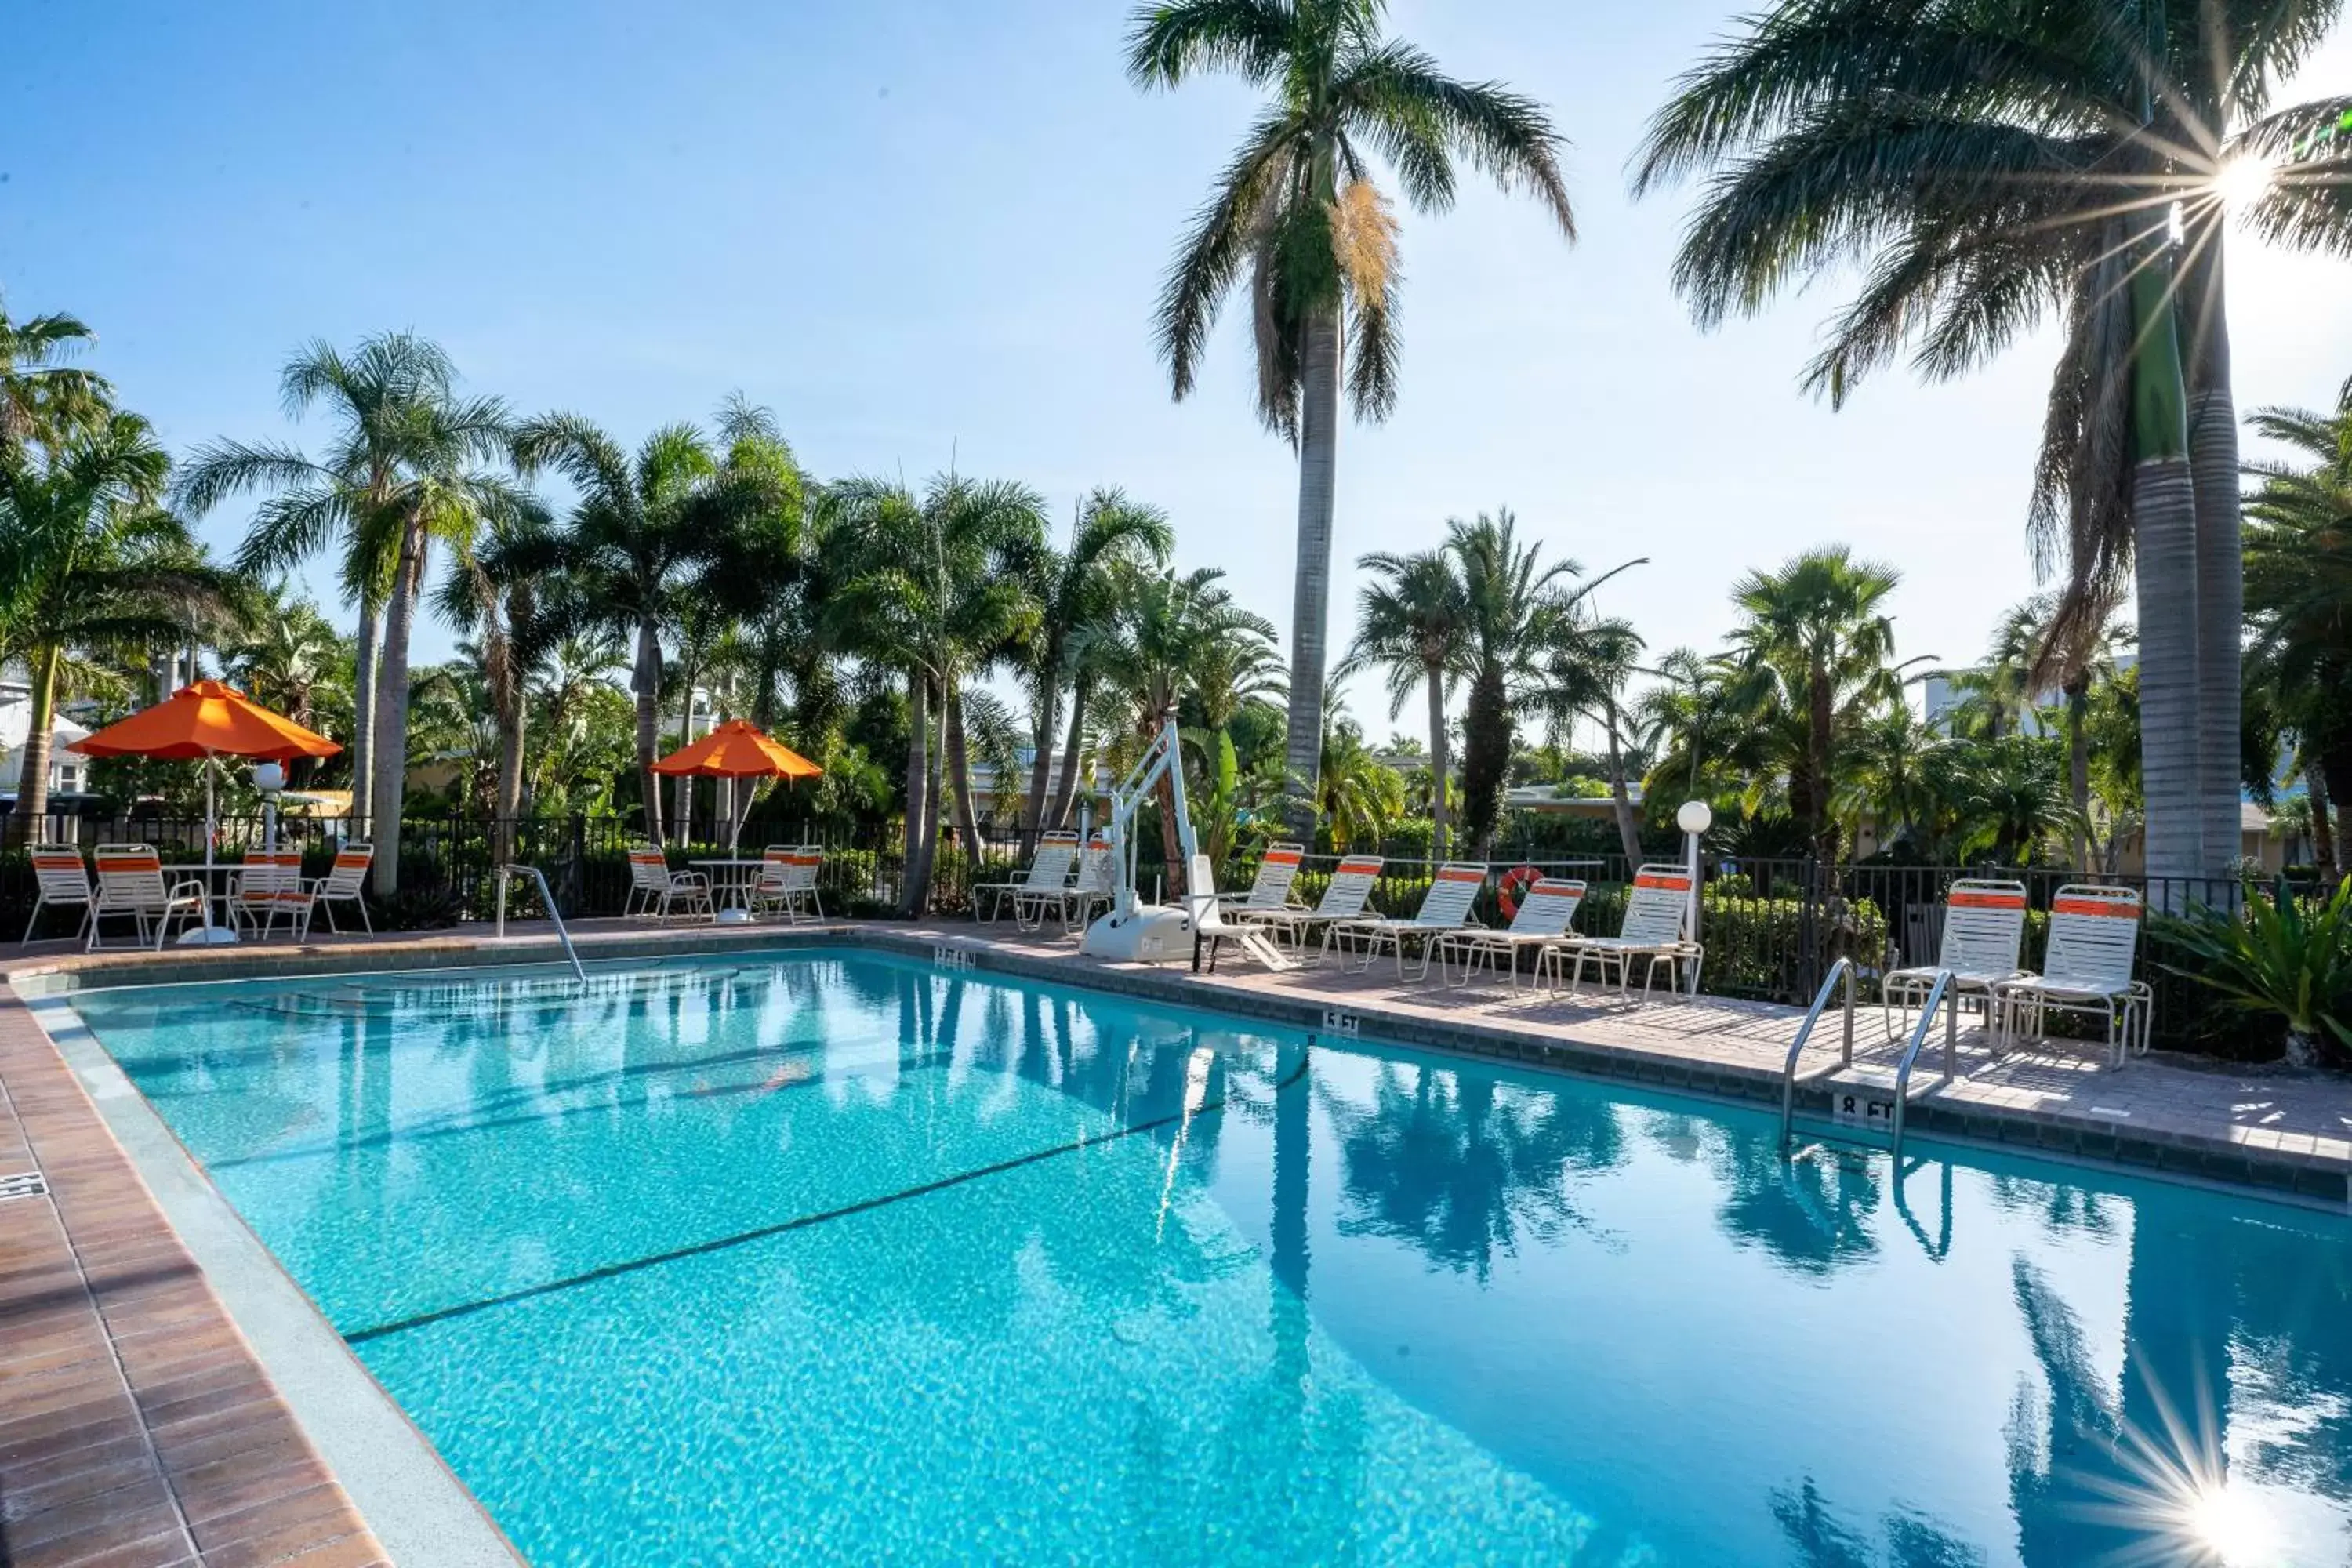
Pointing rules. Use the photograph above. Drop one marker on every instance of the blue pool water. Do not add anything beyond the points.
(838, 1257)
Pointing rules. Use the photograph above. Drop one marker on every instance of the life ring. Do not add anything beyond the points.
(1514, 880)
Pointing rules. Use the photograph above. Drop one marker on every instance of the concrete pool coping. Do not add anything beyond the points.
(423, 1514)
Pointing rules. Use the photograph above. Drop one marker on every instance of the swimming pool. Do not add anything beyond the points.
(834, 1255)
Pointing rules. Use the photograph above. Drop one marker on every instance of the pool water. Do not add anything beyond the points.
(840, 1258)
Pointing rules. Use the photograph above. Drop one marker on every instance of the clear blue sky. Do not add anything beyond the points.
(932, 231)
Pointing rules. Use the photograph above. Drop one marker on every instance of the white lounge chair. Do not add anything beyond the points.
(2093, 942)
(1984, 931)
(1049, 867)
(654, 889)
(1096, 887)
(1277, 868)
(345, 883)
(1212, 929)
(64, 883)
(1654, 928)
(1543, 918)
(1343, 900)
(131, 886)
(1444, 909)
(267, 889)
(788, 882)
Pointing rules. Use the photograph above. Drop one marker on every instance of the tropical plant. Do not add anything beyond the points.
(91, 562)
(290, 659)
(1413, 623)
(2280, 954)
(1587, 664)
(1357, 796)
(42, 398)
(1986, 166)
(1997, 694)
(1297, 209)
(1512, 599)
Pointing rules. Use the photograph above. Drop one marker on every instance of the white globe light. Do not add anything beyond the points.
(268, 777)
(1694, 817)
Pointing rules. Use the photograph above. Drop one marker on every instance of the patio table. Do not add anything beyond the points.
(736, 878)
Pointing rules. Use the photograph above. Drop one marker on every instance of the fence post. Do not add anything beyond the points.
(575, 870)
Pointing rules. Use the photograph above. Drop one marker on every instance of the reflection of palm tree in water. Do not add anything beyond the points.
(1809, 1212)
(1461, 1165)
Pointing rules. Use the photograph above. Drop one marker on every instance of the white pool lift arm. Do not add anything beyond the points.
(1133, 930)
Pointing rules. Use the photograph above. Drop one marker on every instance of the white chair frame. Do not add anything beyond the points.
(1444, 909)
(64, 881)
(2087, 970)
(1655, 928)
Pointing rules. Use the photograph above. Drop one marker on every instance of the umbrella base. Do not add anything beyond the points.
(731, 916)
(209, 936)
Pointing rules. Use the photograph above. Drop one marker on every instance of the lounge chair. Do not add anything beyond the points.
(1653, 929)
(1343, 899)
(1444, 909)
(1074, 903)
(2094, 939)
(345, 883)
(654, 889)
(1277, 868)
(1984, 930)
(1213, 929)
(1048, 868)
(267, 889)
(1543, 918)
(64, 883)
(131, 886)
(788, 882)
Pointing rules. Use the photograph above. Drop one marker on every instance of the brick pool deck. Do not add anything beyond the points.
(137, 1429)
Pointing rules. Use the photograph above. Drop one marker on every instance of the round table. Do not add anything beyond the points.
(207, 935)
(736, 877)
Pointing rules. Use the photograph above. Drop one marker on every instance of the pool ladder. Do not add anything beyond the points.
(547, 897)
(1843, 970)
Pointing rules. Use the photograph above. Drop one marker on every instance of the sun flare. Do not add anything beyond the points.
(2244, 181)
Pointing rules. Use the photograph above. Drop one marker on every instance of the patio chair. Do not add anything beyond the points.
(1212, 929)
(787, 881)
(63, 881)
(2094, 939)
(131, 886)
(654, 889)
(1655, 928)
(1343, 899)
(1544, 916)
(1097, 886)
(1444, 909)
(267, 889)
(1049, 867)
(1984, 930)
(1277, 868)
(343, 884)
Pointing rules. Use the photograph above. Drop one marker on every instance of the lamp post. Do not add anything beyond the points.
(269, 778)
(1692, 817)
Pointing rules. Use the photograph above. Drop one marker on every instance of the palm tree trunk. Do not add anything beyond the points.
(1310, 602)
(1629, 835)
(1819, 721)
(684, 793)
(915, 894)
(391, 760)
(2078, 768)
(371, 636)
(33, 781)
(958, 767)
(644, 682)
(511, 717)
(2323, 832)
(1435, 676)
(2164, 568)
(1044, 710)
(1066, 791)
(2220, 555)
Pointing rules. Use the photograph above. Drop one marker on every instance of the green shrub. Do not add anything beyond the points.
(2280, 955)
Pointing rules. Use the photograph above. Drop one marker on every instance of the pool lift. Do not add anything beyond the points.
(1134, 932)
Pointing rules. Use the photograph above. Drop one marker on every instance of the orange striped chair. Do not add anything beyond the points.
(345, 883)
(64, 883)
(131, 886)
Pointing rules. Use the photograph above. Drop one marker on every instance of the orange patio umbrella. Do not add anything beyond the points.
(208, 719)
(738, 750)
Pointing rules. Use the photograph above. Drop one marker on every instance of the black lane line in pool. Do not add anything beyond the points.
(444, 1128)
(802, 1222)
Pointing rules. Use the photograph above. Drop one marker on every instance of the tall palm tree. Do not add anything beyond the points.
(1588, 661)
(387, 399)
(629, 547)
(501, 598)
(927, 589)
(2000, 691)
(1076, 589)
(1816, 643)
(1413, 623)
(1988, 166)
(1685, 721)
(42, 397)
(1297, 209)
(90, 561)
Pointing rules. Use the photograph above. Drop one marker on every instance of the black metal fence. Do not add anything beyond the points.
(1771, 927)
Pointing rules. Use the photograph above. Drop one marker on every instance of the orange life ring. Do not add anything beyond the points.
(1514, 880)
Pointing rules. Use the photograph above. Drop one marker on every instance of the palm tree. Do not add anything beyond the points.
(1684, 720)
(1151, 654)
(90, 562)
(1999, 692)
(928, 589)
(42, 398)
(1815, 643)
(288, 657)
(1297, 209)
(1587, 663)
(1987, 166)
(1077, 590)
(497, 596)
(1413, 622)
(389, 400)
(1357, 796)
(629, 547)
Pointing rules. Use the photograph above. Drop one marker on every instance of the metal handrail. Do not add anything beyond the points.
(1911, 1056)
(1843, 967)
(546, 896)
